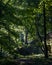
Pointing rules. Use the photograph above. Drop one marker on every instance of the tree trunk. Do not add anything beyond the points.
(45, 49)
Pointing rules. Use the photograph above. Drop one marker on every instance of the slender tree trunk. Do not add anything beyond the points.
(45, 49)
(37, 30)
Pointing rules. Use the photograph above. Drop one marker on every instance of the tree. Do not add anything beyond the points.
(45, 9)
(26, 13)
(46, 49)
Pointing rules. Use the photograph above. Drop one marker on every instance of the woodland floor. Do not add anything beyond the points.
(27, 61)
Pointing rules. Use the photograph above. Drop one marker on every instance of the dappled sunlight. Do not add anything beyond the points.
(26, 32)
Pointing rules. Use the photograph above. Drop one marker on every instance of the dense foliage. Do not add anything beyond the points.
(25, 13)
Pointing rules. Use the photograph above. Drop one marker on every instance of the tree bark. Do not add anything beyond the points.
(45, 49)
